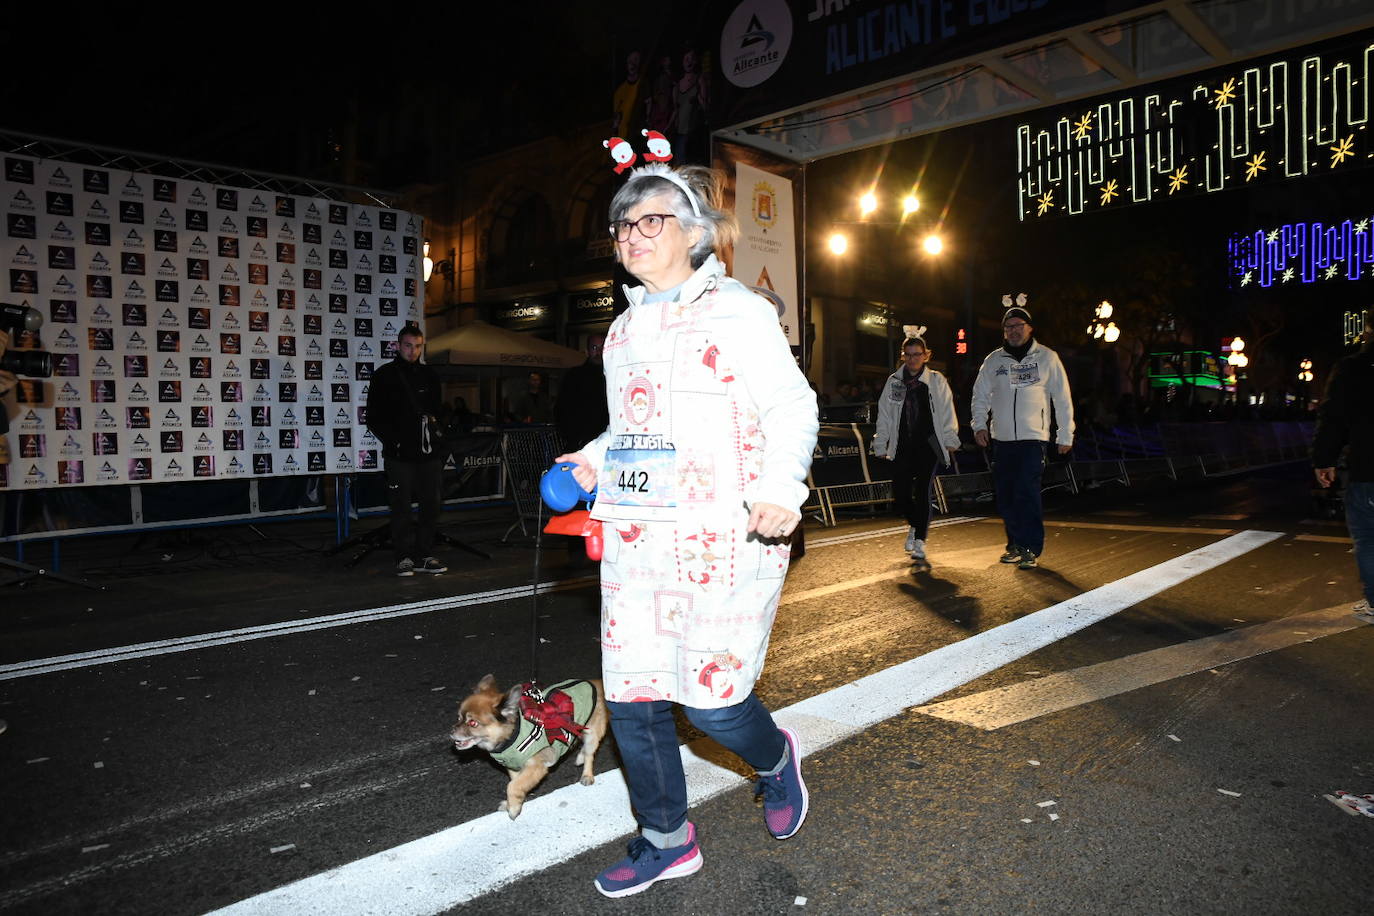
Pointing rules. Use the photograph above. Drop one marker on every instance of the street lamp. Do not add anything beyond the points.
(1305, 371)
(838, 243)
(1238, 359)
(910, 204)
(1108, 332)
(933, 244)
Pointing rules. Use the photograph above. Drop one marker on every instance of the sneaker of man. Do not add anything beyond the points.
(430, 565)
(405, 567)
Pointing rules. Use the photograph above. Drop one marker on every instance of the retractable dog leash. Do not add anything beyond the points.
(561, 491)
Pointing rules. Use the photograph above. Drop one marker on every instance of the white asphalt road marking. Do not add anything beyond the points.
(1155, 529)
(284, 628)
(1003, 706)
(440, 871)
(367, 615)
(887, 532)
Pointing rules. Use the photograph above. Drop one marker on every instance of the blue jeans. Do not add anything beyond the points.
(1359, 516)
(1016, 470)
(647, 738)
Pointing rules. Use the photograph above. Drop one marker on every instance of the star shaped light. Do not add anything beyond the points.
(1108, 192)
(1343, 150)
(1226, 93)
(1255, 166)
(1178, 178)
(1287, 275)
(1245, 280)
(1332, 271)
(1045, 202)
(1272, 237)
(1083, 126)
(1361, 226)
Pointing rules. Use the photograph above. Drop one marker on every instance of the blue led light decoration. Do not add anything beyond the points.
(1303, 253)
(1278, 120)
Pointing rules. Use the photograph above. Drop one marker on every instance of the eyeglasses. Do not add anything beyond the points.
(650, 225)
(1013, 325)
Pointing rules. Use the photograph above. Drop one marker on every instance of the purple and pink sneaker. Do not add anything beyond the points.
(647, 864)
(785, 799)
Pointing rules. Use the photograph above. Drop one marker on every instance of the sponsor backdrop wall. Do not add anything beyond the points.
(197, 331)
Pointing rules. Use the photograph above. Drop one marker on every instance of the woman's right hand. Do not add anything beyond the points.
(583, 472)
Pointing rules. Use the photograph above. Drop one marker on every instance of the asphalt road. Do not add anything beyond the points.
(1164, 747)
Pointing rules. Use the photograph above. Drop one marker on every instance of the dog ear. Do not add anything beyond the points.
(486, 683)
(510, 709)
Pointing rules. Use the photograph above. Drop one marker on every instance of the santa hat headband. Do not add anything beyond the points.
(659, 153)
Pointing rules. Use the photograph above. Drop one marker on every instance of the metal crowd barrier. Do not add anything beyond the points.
(526, 453)
(1122, 455)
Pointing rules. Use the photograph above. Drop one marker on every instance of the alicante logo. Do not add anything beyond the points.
(755, 41)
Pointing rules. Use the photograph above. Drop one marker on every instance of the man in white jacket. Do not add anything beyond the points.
(1018, 384)
(916, 431)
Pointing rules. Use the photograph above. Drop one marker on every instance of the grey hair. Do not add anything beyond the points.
(717, 225)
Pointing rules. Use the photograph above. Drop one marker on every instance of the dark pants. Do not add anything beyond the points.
(1359, 516)
(912, 471)
(646, 735)
(419, 482)
(1016, 470)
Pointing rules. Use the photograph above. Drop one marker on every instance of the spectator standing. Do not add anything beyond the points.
(403, 409)
(580, 411)
(532, 405)
(1346, 418)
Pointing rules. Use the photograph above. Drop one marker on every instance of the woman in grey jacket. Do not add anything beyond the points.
(916, 431)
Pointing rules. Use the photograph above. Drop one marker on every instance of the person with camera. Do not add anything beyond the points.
(403, 408)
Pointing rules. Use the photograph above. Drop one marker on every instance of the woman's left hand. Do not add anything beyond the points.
(772, 522)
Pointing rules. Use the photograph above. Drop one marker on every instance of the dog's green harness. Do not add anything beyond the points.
(550, 717)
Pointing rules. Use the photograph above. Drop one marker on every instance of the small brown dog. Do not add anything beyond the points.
(528, 728)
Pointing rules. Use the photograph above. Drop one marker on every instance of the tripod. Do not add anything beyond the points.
(380, 537)
(30, 572)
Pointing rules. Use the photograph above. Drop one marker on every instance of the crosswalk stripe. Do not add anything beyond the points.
(1015, 703)
(267, 631)
(445, 869)
(367, 615)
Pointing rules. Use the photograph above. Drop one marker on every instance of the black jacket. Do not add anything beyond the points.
(399, 397)
(1346, 417)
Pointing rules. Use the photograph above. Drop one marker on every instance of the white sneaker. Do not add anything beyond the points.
(910, 539)
(1363, 611)
(918, 549)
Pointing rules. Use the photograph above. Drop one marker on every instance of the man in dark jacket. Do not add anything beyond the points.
(1346, 417)
(402, 412)
(581, 412)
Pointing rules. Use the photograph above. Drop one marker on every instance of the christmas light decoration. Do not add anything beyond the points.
(1278, 120)
(1308, 252)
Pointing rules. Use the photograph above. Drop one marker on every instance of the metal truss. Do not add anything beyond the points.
(190, 170)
